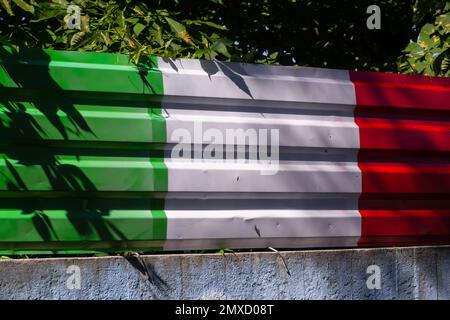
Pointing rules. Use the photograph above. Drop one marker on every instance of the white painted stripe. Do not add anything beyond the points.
(258, 196)
(214, 79)
(263, 243)
(294, 130)
(313, 111)
(292, 176)
(314, 92)
(253, 224)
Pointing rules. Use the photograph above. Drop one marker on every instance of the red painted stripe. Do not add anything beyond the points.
(404, 178)
(395, 223)
(401, 91)
(397, 133)
(408, 201)
(404, 127)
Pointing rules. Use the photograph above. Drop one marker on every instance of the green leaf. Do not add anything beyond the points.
(439, 65)
(220, 47)
(52, 34)
(214, 25)
(249, 56)
(81, 39)
(274, 55)
(199, 53)
(444, 21)
(210, 55)
(206, 23)
(419, 66)
(77, 38)
(24, 6)
(7, 5)
(162, 12)
(222, 251)
(447, 6)
(428, 29)
(174, 25)
(425, 39)
(413, 48)
(175, 47)
(61, 2)
(132, 20)
(155, 33)
(138, 28)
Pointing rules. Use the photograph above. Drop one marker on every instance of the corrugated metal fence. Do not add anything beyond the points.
(99, 154)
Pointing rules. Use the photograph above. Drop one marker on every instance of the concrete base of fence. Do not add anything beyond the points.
(405, 273)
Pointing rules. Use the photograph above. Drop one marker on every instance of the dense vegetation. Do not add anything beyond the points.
(414, 35)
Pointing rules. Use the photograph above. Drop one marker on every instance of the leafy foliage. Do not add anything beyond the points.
(225, 250)
(130, 27)
(413, 37)
(430, 54)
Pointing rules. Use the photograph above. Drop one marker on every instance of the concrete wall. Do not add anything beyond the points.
(406, 273)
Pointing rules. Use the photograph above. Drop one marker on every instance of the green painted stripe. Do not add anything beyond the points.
(95, 124)
(46, 172)
(88, 225)
(82, 101)
(57, 71)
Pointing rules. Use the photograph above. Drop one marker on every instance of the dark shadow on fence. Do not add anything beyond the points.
(27, 87)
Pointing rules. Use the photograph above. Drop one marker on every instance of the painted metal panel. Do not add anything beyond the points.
(404, 129)
(89, 155)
